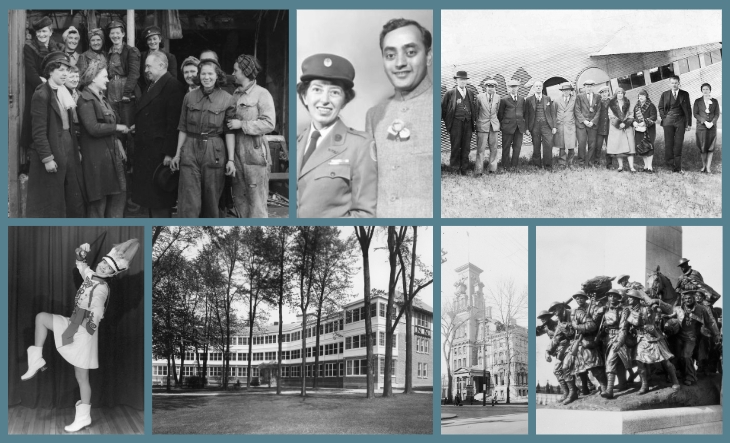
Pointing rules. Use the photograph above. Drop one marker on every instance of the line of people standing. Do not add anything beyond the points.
(127, 103)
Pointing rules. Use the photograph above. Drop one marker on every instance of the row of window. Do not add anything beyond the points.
(422, 345)
(360, 341)
(659, 73)
(422, 370)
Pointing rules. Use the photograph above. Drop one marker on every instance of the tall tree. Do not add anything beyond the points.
(451, 324)
(364, 236)
(396, 237)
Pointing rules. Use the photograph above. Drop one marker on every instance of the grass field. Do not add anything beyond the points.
(265, 413)
(531, 192)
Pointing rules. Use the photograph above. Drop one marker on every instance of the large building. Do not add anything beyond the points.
(342, 351)
(480, 334)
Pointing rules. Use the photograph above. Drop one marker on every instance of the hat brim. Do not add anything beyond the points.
(168, 183)
(347, 83)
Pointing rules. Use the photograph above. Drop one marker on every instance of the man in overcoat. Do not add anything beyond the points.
(511, 115)
(675, 111)
(459, 113)
(564, 113)
(157, 117)
(487, 127)
(541, 124)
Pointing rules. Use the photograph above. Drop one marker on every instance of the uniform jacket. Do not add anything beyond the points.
(587, 111)
(665, 103)
(531, 111)
(33, 54)
(101, 165)
(340, 177)
(683, 282)
(487, 115)
(130, 61)
(511, 114)
(157, 118)
(92, 297)
(701, 116)
(448, 106)
(697, 319)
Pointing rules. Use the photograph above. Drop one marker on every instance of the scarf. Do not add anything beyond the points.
(620, 113)
(65, 99)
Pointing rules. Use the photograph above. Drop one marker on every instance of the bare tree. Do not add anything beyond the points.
(364, 237)
(451, 323)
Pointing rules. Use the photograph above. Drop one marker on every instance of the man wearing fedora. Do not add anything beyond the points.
(511, 115)
(157, 117)
(587, 113)
(487, 127)
(459, 113)
(564, 113)
(540, 123)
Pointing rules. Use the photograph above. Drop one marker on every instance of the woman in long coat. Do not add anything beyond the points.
(645, 116)
(54, 178)
(621, 132)
(706, 111)
(101, 149)
(35, 49)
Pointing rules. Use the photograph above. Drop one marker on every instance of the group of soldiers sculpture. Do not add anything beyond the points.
(614, 329)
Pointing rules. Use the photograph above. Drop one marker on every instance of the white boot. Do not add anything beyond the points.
(83, 418)
(35, 362)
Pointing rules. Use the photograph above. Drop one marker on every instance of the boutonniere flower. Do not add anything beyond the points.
(397, 131)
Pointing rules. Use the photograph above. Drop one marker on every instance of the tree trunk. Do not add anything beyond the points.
(370, 379)
(250, 355)
(409, 350)
(174, 371)
(281, 335)
(169, 371)
(304, 354)
(315, 351)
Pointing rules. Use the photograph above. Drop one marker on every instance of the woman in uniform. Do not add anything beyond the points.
(337, 169)
(203, 157)
(75, 337)
(255, 117)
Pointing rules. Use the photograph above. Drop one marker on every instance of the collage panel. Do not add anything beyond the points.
(329, 329)
(76, 317)
(592, 110)
(148, 113)
(629, 335)
(365, 114)
(484, 309)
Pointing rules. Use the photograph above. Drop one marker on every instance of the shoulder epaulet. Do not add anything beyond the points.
(354, 131)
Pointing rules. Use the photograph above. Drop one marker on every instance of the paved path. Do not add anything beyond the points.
(500, 419)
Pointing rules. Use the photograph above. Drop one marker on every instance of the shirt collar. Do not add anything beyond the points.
(241, 90)
(114, 50)
(323, 132)
(422, 87)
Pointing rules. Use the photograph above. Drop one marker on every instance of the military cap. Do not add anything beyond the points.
(328, 67)
(544, 314)
(41, 23)
(70, 30)
(623, 276)
(514, 83)
(633, 293)
(566, 85)
(683, 262)
(462, 75)
(150, 31)
(116, 24)
(579, 293)
(56, 56)
(490, 82)
(556, 304)
(589, 82)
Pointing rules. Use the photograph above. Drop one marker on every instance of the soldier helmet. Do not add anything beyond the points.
(623, 277)
(580, 293)
(633, 293)
(615, 293)
(547, 314)
(556, 304)
(683, 262)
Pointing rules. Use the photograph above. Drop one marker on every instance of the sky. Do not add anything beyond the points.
(567, 256)
(500, 251)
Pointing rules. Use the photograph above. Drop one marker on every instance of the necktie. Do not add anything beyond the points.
(566, 100)
(590, 98)
(675, 95)
(312, 146)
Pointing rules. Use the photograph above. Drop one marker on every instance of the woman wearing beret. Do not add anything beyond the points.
(621, 141)
(645, 115)
(96, 49)
(101, 149)
(255, 117)
(76, 337)
(338, 174)
(54, 178)
(706, 111)
(35, 49)
(203, 157)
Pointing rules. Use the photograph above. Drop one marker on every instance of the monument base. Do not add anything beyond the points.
(687, 420)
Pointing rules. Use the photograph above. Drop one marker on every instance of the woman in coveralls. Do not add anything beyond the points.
(75, 337)
(201, 157)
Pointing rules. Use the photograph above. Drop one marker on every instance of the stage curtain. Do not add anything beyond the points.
(42, 277)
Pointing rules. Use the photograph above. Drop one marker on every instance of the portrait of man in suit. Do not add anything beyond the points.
(541, 124)
(487, 127)
(564, 114)
(587, 113)
(675, 111)
(511, 115)
(459, 113)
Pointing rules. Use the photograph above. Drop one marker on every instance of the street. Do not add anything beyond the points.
(500, 419)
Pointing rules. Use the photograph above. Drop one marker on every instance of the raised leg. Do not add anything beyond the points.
(43, 324)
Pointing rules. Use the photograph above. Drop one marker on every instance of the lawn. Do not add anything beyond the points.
(318, 413)
(531, 192)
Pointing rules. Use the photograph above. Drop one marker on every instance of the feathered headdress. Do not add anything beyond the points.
(121, 255)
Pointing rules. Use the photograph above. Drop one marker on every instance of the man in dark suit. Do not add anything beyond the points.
(587, 113)
(676, 114)
(459, 113)
(511, 115)
(540, 123)
(158, 114)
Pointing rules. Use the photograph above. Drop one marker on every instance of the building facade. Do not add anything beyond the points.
(486, 353)
(342, 352)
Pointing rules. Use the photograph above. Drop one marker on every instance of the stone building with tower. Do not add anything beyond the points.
(487, 354)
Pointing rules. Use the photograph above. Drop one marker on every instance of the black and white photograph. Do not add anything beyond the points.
(364, 113)
(76, 330)
(484, 341)
(148, 113)
(292, 330)
(581, 113)
(629, 330)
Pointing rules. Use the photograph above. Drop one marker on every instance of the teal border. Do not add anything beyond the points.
(437, 222)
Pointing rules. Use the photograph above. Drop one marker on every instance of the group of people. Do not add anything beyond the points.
(610, 333)
(87, 112)
(386, 170)
(586, 121)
